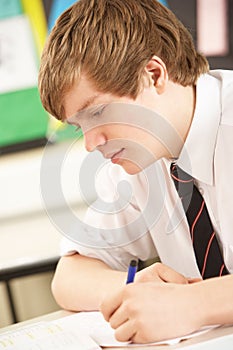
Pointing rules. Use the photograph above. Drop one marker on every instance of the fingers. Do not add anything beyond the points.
(159, 272)
(126, 331)
(118, 318)
(124, 327)
(116, 310)
(167, 274)
(110, 305)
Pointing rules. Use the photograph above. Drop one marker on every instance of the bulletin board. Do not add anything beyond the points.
(24, 26)
(23, 121)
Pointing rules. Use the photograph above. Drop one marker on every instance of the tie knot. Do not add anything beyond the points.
(184, 184)
(180, 175)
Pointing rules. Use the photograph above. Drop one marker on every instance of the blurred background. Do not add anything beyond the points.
(29, 242)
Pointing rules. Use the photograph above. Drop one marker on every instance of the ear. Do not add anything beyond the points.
(157, 71)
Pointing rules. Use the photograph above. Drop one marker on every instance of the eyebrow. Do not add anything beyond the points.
(88, 102)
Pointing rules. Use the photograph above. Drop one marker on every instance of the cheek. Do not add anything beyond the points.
(123, 131)
(116, 131)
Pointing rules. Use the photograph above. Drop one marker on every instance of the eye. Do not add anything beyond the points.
(97, 111)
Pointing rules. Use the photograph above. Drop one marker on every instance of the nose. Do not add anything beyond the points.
(94, 138)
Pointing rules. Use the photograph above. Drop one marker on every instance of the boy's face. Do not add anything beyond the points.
(122, 129)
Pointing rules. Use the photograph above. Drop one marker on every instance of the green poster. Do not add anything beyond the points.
(22, 117)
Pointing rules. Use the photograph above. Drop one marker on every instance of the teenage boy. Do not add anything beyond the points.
(115, 53)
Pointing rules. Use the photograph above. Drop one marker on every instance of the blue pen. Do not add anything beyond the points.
(132, 271)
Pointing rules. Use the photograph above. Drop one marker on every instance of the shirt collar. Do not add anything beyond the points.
(197, 154)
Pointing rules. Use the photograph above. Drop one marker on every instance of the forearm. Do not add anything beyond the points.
(216, 298)
(80, 283)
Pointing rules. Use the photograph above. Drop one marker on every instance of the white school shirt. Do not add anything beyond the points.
(210, 151)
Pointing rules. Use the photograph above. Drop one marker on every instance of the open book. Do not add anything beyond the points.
(79, 331)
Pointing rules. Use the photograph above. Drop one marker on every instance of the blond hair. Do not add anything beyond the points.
(112, 41)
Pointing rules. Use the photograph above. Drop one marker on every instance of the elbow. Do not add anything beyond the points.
(73, 283)
(62, 286)
(58, 292)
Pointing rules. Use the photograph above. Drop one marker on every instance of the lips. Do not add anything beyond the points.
(115, 156)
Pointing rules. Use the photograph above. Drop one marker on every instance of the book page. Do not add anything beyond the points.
(46, 336)
(83, 330)
(94, 325)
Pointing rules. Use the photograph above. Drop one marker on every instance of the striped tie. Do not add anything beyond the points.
(208, 255)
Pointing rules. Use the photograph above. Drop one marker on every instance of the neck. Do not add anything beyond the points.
(189, 111)
(183, 99)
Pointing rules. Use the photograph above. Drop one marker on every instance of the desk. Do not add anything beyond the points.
(196, 343)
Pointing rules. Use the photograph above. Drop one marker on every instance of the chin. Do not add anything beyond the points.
(131, 168)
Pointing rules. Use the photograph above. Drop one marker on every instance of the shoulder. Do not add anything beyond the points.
(225, 82)
(225, 78)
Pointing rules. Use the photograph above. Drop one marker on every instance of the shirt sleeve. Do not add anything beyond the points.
(115, 208)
